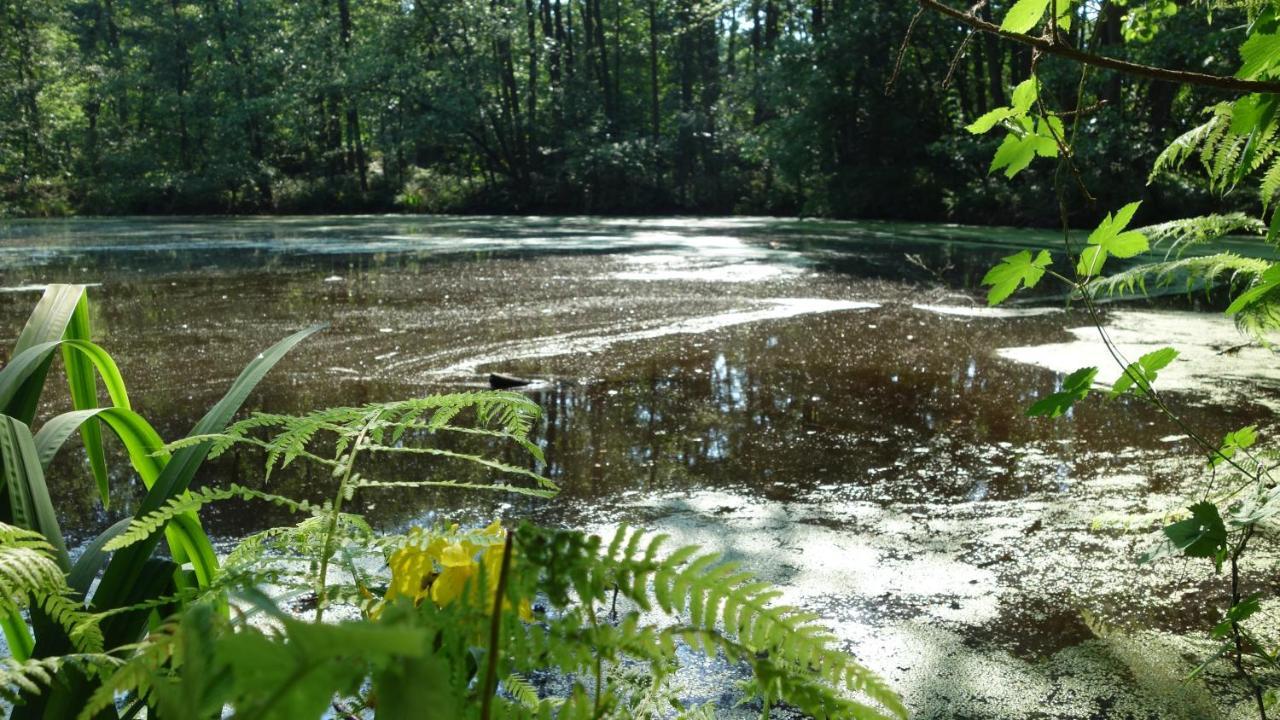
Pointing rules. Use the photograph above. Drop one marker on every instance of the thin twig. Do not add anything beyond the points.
(902, 52)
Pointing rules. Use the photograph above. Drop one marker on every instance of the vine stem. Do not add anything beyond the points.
(1235, 625)
(1080, 287)
(495, 633)
(332, 530)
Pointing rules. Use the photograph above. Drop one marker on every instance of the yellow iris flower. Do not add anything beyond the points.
(444, 569)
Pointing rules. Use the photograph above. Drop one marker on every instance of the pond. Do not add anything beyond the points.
(830, 403)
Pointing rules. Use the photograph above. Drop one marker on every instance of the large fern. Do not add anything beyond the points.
(30, 575)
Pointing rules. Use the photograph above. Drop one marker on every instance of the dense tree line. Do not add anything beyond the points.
(774, 106)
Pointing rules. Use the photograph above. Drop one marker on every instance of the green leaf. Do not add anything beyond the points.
(989, 120)
(1234, 441)
(1075, 387)
(83, 387)
(1201, 535)
(1110, 238)
(1265, 284)
(1145, 370)
(1014, 270)
(1024, 96)
(126, 564)
(23, 476)
(1238, 613)
(1024, 15)
(1259, 54)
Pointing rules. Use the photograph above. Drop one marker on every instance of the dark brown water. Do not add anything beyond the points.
(781, 364)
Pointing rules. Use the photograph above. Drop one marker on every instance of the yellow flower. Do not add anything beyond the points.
(444, 569)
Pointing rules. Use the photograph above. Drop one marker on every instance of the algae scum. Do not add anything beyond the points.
(827, 403)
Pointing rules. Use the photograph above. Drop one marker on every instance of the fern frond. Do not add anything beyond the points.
(153, 660)
(722, 607)
(30, 576)
(32, 676)
(1270, 184)
(1179, 235)
(1173, 157)
(304, 540)
(143, 527)
(1206, 271)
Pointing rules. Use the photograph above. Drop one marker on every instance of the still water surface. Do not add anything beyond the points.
(752, 380)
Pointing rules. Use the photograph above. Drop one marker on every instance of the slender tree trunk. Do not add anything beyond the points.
(183, 71)
(654, 117)
(991, 47)
(531, 96)
(355, 140)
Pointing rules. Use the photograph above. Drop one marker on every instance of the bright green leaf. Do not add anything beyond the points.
(1144, 370)
(1232, 442)
(1024, 96)
(1014, 270)
(1259, 54)
(989, 120)
(1201, 535)
(1237, 614)
(1024, 15)
(1074, 388)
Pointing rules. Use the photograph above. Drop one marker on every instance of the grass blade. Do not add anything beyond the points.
(127, 564)
(83, 388)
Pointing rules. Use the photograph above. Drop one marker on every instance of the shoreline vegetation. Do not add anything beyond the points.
(643, 107)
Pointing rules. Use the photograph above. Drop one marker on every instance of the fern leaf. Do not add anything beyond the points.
(143, 527)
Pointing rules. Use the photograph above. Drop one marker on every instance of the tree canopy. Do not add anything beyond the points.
(761, 106)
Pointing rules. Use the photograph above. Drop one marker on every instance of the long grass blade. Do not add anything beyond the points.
(83, 388)
(28, 495)
(126, 565)
(186, 538)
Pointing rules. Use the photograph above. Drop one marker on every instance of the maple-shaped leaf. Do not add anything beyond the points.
(1034, 137)
(1200, 535)
(1074, 388)
(1233, 442)
(1144, 371)
(1111, 238)
(1014, 270)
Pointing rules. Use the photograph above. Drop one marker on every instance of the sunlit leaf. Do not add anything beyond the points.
(1014, 270)
(1233, 442)
(1075, 387)
(1259, 54)
(1024, 15)
(1144, 370)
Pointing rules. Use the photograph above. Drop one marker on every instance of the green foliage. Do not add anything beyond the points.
(1183, 234)
(1111, 238)
(1028, 135)
(31, 576)
(1075, 387)
(1026, 14)
(404, 654)
(1138, 376)
(1020, 269)
(1233, 442)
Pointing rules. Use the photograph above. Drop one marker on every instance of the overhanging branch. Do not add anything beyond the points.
(1044, 44)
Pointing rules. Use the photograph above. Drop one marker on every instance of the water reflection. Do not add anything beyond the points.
(655, 381)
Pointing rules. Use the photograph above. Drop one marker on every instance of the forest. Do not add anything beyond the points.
(780, 107)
